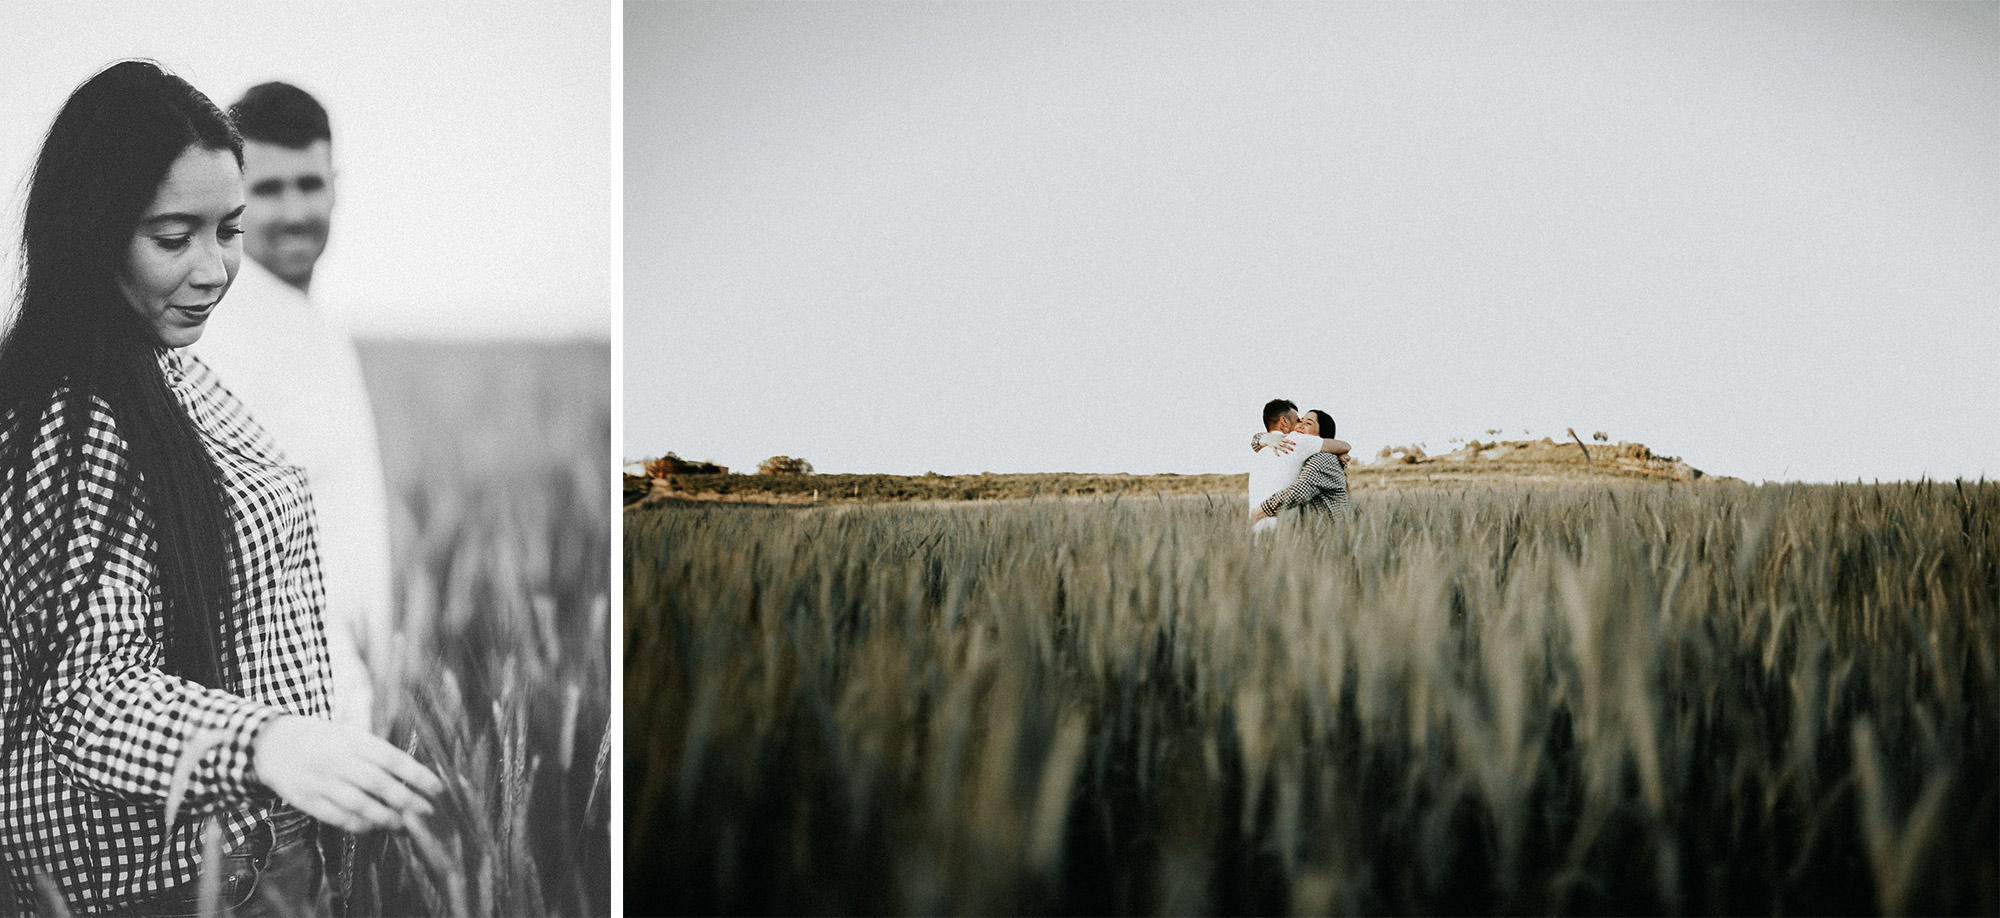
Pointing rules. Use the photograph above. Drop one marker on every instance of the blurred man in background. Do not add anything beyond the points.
(294, 365)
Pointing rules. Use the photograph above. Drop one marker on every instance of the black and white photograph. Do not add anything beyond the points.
(1310, 458)
(305, 388)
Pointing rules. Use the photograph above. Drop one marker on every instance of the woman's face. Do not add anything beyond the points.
(1308, 424)
(185, 250)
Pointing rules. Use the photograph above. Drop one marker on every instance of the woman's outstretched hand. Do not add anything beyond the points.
(341, 775)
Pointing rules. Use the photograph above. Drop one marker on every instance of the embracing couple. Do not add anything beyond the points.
(1296, 462)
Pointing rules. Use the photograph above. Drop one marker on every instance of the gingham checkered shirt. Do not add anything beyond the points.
(1322, 483)
(86, 786)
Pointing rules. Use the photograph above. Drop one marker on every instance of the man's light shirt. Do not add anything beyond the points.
(1271, 473)
(295, 367)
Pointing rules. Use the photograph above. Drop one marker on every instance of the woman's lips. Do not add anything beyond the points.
(197, 313)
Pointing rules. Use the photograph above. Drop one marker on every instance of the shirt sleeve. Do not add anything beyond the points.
(1314, 477)
(1306, 442)
(117, 723)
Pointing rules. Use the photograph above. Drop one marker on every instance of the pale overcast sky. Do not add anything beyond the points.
(1097, 237)
(472, 142)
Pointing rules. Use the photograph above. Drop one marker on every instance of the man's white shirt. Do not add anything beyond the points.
(294, 366)
(1271, 473)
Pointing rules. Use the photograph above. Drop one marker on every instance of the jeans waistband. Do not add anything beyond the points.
(278, 834)
(283, 826)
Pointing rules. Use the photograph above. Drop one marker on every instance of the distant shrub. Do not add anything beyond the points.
(784, 465)
(1402, 455)
(671, 464)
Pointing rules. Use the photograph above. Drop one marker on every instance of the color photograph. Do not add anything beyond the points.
(1281, 458)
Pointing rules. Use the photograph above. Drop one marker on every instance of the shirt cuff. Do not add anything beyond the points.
(236, 767)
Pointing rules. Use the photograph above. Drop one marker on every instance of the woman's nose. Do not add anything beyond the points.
(211, 269)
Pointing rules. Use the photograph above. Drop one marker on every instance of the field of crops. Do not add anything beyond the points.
(495, 455)
(1593, 698)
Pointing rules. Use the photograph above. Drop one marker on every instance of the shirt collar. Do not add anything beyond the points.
(173, 364)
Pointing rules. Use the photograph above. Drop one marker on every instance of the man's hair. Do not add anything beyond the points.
(1275, 409)
(282, 114)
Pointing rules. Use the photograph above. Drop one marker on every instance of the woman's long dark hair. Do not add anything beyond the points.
(1325, 423)
(76, 337)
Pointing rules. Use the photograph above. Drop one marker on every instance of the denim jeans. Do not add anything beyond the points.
(279, 870)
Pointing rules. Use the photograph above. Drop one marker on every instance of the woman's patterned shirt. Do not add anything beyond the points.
(1322, 483)
(86, 787)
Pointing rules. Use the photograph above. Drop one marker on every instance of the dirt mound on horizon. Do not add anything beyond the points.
(1535, 460)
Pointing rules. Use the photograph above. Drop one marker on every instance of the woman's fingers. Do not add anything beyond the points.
(406, 769)
(328, 808)
(342, 776)
(392, 791)
(325, 811)
(364, 808)
(363, 797)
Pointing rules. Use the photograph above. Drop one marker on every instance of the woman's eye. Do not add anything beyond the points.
(229, 232)
(172, 243)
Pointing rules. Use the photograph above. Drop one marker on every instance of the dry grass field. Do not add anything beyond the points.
(501, 682)
(1484, 698)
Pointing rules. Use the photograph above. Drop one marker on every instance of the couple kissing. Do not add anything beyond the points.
(1296, 464)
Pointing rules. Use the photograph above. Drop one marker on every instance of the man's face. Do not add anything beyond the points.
(290, 197)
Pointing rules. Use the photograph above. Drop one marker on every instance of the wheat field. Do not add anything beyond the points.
(500, 679)
(1500, 698)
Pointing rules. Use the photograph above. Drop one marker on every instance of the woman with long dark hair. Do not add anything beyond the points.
(163, 665)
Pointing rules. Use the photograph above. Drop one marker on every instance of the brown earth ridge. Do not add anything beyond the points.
(1492, 462)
